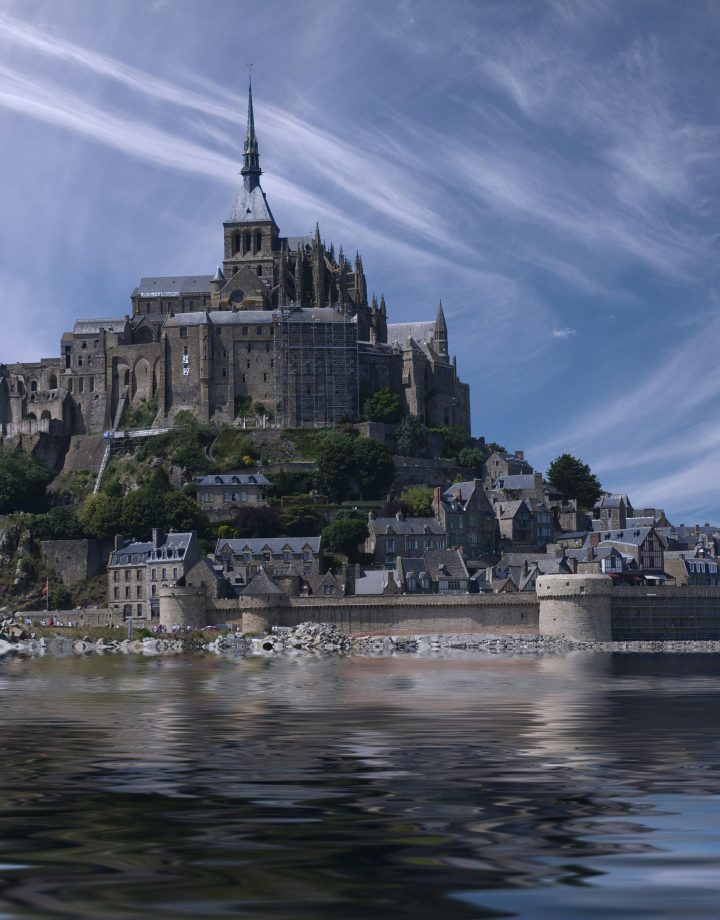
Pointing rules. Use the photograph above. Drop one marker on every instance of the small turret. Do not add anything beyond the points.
(218, 282)
(441, 339)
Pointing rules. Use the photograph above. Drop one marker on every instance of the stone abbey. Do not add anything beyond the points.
(284, 322)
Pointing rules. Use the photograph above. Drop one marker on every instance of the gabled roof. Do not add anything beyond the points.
(276, 545)
(518, 481)
(173, 285)
(420, 526)
(94, 326)
(233, 479)
(634, 536)
(132, 554)
(372, 581)
(401, 333)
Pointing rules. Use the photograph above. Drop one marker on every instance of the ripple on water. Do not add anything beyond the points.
(359, 787)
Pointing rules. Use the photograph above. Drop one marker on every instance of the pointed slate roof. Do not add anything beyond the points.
(261, 585)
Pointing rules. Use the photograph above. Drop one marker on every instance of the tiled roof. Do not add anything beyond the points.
(173, 285)
(233, 479)
(261, 585)
(419, 332)
(132, 554)
(276, 545)
(93, 326)
(392, 525)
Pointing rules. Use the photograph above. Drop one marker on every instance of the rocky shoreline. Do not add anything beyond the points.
(323, 638)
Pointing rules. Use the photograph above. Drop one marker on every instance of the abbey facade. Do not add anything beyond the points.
(285, 322)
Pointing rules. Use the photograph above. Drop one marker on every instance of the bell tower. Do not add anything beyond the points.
(250, 231)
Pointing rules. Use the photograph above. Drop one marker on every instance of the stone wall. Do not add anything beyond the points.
(654, 614)
(86, 616)
(76, 560)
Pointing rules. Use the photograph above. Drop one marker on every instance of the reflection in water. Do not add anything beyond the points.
(303, 787)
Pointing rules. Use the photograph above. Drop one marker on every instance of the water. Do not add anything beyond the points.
(454, 787)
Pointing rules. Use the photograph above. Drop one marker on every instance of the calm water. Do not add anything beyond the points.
(305, 787)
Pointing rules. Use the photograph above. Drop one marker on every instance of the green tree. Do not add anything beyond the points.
(417, 501)
(575, 479)
(454, 438)
(257, 521)
(58, 524)
(185, 419)
(183, 514)
(344, 536)
(383, 406)
(472, 457)
(335, 460)
(226, 532)
(99, 516)
(374, 468)
(301, 521)
(411, 437)
(61, 598)
(23, 481)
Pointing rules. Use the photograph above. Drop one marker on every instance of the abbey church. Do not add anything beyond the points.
(284, 321)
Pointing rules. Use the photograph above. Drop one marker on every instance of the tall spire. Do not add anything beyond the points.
(251, 159)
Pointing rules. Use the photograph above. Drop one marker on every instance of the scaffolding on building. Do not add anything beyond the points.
(316, 368)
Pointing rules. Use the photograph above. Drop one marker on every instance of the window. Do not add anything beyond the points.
(138, 575)
(183, 332)
(138, 591)
(390, 546)
(175, 571)
(127, 591)
(163, 575)
(244, 330)
(428, 544)
(139, 610)
(153, 590)
(79, 361)
(306, 568)
(81, 384)
(116, 593)
(247, 365)
(153, 575)
(127, 574)
(258, 330)
(116, 576)
(287, 556)
(328, 589)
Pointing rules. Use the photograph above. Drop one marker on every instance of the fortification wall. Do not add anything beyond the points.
(575, 606)
(86, 616)
(655, 614)
(76, 560)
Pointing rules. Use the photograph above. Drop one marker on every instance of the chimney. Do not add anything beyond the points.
(399, 516)
(436, 501)
(594, 538)
(573, 563)
(538, 480)
(520, 454)
(158, 537)
(118, 542)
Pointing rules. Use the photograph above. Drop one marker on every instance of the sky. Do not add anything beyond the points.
(550, 170)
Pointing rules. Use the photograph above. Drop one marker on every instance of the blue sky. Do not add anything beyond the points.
(549, 169)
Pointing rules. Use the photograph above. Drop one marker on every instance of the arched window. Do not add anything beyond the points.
(258, 241)
(33, 386)
(52, 382)
(246, 242)
(236, 243)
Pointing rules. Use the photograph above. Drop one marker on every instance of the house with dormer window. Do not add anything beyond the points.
(137, 570)
(219, 494)
(390, 537)
(290, 559)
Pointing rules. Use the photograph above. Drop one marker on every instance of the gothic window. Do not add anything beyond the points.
(81, 385)
(258, 241)
(246, 242)
(33, 386)
(52, 382)
(236, 243)
(259, 269)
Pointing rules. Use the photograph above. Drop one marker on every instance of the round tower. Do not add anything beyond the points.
(575, 606)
